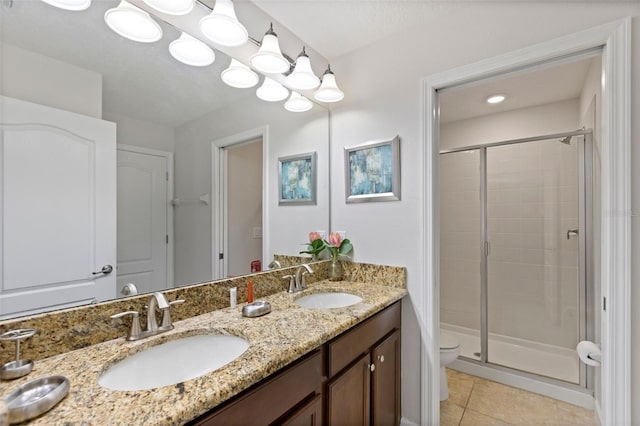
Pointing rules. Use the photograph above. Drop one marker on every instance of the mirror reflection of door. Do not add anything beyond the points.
(144, 220)
(242, 197)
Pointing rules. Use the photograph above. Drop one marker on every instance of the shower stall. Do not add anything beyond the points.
(515, 254)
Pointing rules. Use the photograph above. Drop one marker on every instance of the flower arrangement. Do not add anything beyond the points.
(336, 246)
(315, 246)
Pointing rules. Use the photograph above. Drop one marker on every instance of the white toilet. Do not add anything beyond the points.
(449, 351)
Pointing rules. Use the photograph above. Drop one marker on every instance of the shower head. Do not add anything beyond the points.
(566, 140)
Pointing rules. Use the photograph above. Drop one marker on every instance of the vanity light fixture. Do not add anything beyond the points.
(496, 99)
(171, 7)
(191, 51)
(329, 91)
(222, 25)
(272, 91)
(298, 103)
(133, 23)
(269, 58)
(302, 77)
(69, 4)
(239, 75)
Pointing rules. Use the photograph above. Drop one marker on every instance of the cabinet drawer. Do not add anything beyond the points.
(273, 398)
(348, 346)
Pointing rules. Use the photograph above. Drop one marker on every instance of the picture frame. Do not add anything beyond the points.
(372, 171)
(297, 181)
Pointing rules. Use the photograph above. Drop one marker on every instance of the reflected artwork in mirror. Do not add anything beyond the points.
(116, 156)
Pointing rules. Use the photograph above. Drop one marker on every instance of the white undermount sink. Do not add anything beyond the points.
(173, 362)
(329, 300)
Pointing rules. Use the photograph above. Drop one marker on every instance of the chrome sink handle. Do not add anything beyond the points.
(167, 324)
(135, 330)
(292, 283)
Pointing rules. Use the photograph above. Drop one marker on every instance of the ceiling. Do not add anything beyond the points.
(139, 80)
(143, 81)
(541, 86)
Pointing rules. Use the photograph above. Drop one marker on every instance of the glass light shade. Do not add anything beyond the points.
(191, 51)
(269, 59)
(272, 91)
(69, 4)
(239, 75)
(302, 77)
(171, 7)
(328, 91)
(133, 23)
(222, 25)
(298, 103)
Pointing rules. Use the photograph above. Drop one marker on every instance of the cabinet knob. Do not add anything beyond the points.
(381, 358)
(372, 367)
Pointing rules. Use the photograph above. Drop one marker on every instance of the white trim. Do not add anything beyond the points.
(616, 213)
(218, 191)
(170, 188)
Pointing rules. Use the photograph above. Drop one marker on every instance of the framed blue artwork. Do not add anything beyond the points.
(372, 171)
(297, 180)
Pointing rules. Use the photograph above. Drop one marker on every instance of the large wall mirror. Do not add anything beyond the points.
(112, 153)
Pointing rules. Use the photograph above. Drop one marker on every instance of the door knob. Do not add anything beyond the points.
(571, 232)
(106, 270)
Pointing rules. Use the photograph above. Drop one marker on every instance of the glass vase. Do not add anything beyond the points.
(335, 269)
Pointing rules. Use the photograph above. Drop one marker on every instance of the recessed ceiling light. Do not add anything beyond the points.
(496, 99)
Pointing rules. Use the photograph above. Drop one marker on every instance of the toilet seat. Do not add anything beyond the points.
(448, 342)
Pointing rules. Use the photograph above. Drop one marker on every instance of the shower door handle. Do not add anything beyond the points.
(571, 232)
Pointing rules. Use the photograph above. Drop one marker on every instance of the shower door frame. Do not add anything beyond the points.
(585, 250)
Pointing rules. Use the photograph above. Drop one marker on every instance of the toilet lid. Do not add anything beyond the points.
(448, 341)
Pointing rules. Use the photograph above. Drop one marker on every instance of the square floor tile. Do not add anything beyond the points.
(450, 413)
(473, 418)
(460, 386)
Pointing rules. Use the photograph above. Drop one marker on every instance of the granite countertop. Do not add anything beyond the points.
(276, 340)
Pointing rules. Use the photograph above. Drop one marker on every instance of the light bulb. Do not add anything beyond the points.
(239, 75)
(191, 51)
(133, 23)
(302, 77)
(269, 59)
(222, 25)
(298, 103)
(272, 91)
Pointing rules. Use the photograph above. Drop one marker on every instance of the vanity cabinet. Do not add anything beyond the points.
(352, 380)
(292, 396)
(364, 372)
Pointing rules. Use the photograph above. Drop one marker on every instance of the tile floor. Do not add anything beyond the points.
(476, 401)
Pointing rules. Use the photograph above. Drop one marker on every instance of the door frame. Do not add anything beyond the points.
(168, 156)
(219, 196)
(615, 37)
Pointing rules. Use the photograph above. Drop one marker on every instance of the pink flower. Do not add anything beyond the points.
(314, 236)
(335, 239)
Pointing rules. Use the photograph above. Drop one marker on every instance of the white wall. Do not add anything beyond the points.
(145, 134)
(43, 80)
(391, 232)
(286, 227)
(551, 118)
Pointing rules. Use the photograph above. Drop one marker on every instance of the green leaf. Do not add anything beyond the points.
(345, 247)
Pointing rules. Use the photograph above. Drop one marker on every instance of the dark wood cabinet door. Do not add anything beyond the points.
(348, 395)
(386, 382)
(309, 414)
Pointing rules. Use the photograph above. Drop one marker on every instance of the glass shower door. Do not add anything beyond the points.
(460, 242)
(533, 278)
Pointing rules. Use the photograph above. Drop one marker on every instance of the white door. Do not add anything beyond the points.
(143, 224)
(57, 208)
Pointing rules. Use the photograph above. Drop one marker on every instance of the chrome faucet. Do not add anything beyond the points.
(156, 300)
(301, 282)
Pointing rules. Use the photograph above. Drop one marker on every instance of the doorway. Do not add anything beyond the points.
(615, 253)
(144, 220)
